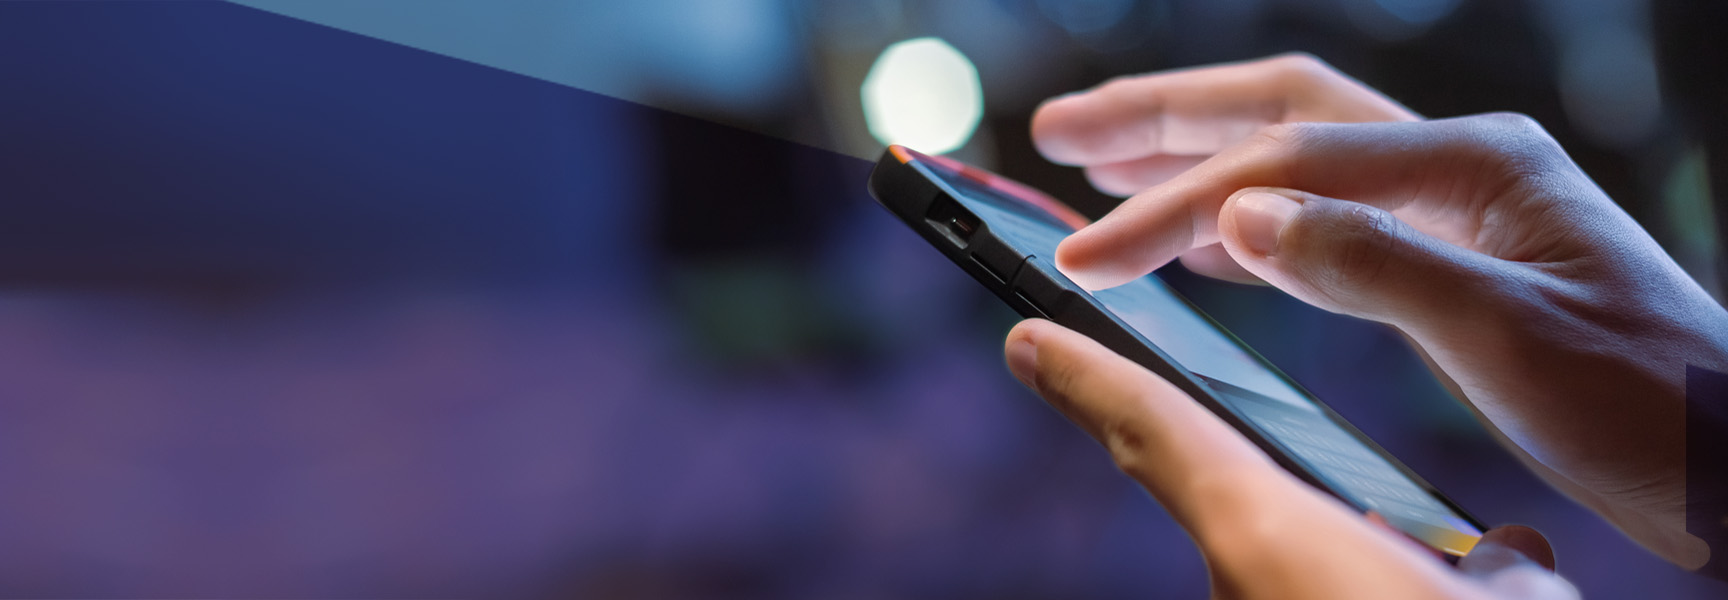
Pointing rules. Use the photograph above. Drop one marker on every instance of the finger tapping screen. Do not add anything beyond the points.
(1241, 380)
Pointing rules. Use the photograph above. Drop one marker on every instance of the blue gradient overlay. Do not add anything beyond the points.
(290, 311)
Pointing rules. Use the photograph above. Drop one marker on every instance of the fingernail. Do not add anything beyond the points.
(1023, 362)
(1260, 217)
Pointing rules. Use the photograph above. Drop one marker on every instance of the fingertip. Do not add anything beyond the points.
(1085, 267)
(1044, 334)
(1024, 340)
(1143, 234)
(1053, 129)
(1033, 346)
(1021, 354)
(1027, 331)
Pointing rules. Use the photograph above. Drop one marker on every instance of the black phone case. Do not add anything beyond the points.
(1033, 287)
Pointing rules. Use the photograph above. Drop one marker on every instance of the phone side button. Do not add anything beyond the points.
(997, 257)
(1000, 278)
(1042, 287)
(1041, 313)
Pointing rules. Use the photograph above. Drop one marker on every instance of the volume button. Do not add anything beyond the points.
(1043, 287)
(997, 258)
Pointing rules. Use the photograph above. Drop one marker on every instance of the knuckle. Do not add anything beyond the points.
(1513, 122)
(1515, 142)
(1301, 71)
(1128, 446)
(1281, 146)
(1285, 134)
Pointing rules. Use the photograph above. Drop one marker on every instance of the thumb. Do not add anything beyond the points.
(1508, 546)
(1349, 257)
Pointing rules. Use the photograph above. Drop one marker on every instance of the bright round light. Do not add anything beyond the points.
(923, 94)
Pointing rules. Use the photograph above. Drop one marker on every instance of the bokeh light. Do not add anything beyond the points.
(923, 93)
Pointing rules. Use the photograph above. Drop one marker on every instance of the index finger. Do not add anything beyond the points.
(1440, 175)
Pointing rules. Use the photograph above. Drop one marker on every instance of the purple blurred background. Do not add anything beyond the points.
(289, 311)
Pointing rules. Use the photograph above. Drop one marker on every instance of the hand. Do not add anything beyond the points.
(1135, 132)
(1555, 317)
(1265, 534)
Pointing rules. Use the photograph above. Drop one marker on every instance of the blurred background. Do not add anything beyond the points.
(440, 298)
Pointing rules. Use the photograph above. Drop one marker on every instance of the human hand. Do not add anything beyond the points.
(1135, 132)
(1557, 319)
(1264, 533)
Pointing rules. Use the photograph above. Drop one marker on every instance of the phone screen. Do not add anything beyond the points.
(1244, 382)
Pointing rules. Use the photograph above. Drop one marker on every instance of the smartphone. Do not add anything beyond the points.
(1004, 234)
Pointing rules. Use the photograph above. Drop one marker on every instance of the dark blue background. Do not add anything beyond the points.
(287, 311)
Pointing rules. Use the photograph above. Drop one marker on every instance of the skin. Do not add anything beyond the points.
(1264, 533)
(1546, 309)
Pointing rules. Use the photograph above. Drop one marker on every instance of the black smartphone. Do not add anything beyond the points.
(1004, 234)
